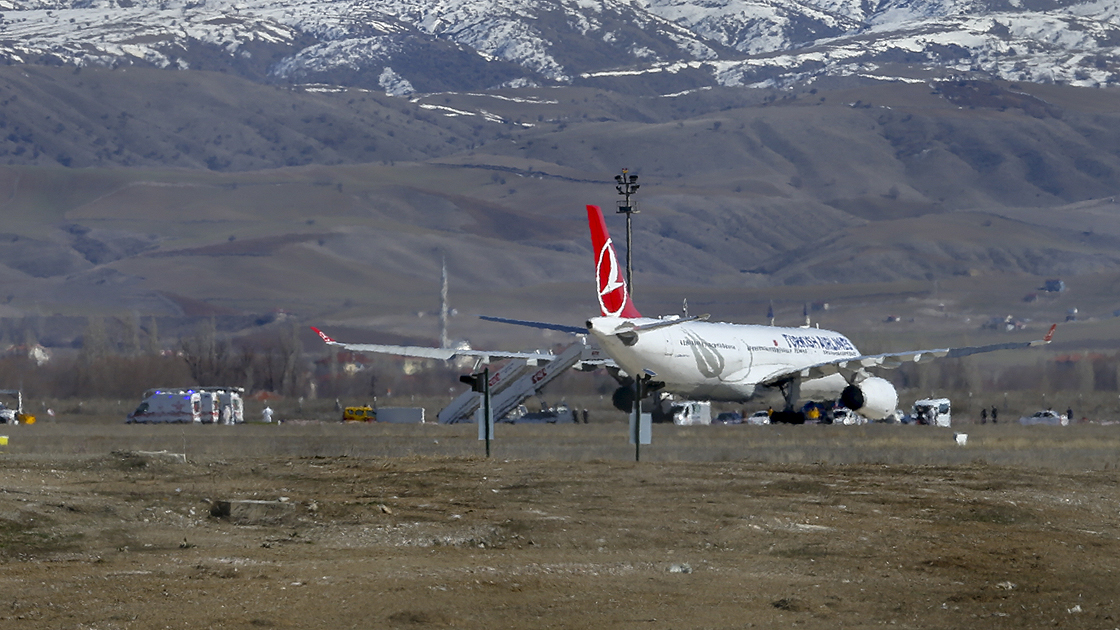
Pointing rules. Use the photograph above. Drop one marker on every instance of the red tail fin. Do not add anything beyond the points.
(614, 295)
(1050, 335)
(323, 335)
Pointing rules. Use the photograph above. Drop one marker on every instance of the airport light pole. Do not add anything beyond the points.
(627, 185)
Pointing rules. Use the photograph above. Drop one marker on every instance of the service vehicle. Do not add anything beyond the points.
(14, 414)
(691, 412)
(168, 405)
(232, 405)
(560, 414)
(359, 414)
(210, 407)
(847, 417)
(1046, 416)
(933, 411)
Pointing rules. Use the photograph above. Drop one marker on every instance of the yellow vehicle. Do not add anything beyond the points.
(359, 414)
(14, 415)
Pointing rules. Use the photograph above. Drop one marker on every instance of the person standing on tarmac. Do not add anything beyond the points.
(994, 413)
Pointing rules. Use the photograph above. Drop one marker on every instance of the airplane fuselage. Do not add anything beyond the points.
(721, 361)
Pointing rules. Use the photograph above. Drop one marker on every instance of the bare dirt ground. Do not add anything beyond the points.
(304, 527)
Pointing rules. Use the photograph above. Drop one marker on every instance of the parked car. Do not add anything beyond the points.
(758, 418)
(1046, 416)
(729, 417)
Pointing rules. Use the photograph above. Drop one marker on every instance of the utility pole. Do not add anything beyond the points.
(627, 185)
(443, 310)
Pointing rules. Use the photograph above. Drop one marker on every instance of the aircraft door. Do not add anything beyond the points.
(671, 342)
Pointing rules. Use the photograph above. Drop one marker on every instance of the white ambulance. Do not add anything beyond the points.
(168, 405)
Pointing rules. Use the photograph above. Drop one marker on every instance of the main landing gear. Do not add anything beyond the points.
(791, 391)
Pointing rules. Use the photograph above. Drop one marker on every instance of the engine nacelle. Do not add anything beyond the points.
(873, 398)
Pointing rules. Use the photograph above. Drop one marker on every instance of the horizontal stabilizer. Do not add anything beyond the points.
(629, 326)
(575, 330)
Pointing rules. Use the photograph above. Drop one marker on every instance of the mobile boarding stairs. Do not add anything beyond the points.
(519, 379)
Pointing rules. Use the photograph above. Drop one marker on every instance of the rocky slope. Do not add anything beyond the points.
(401, 46)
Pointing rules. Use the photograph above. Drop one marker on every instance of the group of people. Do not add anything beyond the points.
(995, 415)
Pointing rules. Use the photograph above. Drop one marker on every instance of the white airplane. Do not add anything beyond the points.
(702, 360)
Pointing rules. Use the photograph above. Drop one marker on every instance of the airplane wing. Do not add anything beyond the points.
(891, 360)
(575, 330)
(425, 352)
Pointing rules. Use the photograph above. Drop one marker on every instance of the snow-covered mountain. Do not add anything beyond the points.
(401, 46)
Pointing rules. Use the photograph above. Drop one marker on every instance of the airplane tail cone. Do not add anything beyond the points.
(614, 295)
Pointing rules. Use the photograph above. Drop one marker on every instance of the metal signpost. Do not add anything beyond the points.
(640, 423)
(481, 383)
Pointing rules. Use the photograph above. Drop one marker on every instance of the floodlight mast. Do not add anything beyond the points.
(627, 185)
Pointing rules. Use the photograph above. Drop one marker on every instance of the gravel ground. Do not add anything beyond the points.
(326, 526)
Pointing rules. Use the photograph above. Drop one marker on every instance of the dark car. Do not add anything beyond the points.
(729, 417)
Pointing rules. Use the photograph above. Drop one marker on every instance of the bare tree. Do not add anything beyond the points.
(211, 360)
(95, 342)
(153, 337)
(130, 345)
(292, 351)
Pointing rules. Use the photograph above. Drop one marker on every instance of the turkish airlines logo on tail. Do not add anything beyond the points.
(612, 287)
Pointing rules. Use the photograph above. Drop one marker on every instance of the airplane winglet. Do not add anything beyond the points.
(1050, 335)
(324, 336)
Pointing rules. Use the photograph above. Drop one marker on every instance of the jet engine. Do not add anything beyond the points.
(873, 398)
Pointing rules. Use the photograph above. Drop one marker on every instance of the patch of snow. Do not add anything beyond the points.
(393, 83)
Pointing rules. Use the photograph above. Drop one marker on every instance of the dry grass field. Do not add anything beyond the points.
(331, 526)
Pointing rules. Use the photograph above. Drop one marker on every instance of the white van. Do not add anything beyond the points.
(692, 412)
(933, 411)
(232, 398)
